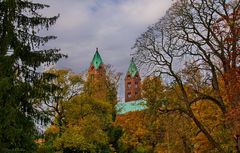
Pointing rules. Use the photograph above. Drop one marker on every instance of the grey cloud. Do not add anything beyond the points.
(110, 25)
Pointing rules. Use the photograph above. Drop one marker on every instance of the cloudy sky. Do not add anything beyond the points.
(110, 25)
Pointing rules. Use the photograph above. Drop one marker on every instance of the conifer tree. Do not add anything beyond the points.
(20, 83)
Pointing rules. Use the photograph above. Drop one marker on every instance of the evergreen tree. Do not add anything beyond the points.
(20, 83)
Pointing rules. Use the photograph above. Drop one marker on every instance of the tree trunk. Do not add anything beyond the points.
(238, 143)
(206, 133)
(187, 149)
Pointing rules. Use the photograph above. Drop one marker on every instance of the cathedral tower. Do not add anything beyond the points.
(132, 83)
(96, 69)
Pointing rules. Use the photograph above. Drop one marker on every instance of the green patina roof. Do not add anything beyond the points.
(97, 60)
(137, 105)
(132, 69)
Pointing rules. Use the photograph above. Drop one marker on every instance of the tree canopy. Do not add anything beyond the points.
(192, 92)
(20, 83)
(196, 47)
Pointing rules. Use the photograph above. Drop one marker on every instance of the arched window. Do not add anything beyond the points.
(129, 95)
(129, 85)
(136, 84)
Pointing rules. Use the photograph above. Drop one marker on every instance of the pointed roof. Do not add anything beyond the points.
(97, 60)
(132, 69)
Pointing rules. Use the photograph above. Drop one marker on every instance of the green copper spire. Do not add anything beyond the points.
(97, 60)
(132, 69)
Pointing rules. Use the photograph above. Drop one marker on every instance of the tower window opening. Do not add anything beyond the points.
(136, 84)
(129, 95)
(129, 85)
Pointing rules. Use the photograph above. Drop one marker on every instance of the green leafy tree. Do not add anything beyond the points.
(83, 113)
(64, 86)
(87, 121)
(20, 83)
(105, 86)
(164, 135)
(153, 91)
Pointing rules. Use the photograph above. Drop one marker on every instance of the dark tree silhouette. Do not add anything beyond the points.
(20, 83)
